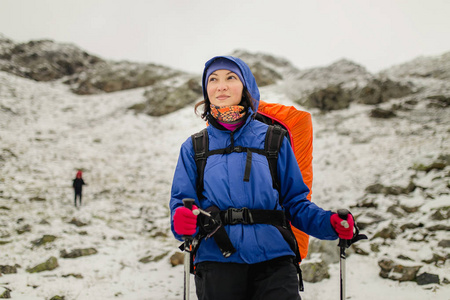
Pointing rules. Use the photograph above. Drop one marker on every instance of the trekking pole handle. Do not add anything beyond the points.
(188, 203)
(343, 214)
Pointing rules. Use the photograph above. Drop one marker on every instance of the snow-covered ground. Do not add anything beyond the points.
(47, 133)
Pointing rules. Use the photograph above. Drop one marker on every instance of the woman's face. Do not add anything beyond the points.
(224, 88)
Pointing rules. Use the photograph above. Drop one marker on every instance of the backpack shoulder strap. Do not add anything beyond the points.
(272, 144)
(200, 142)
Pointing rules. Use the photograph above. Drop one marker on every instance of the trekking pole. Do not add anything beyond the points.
(188, 202)
(343, 214)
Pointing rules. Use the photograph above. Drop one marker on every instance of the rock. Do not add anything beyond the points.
(5, 269)
(165, 98)
(427, 278)
(380, 90)
(395, 190)
(333, 97)
(439, 227)
(264, 75)
(444, 244)
(5, 293)
(314, 271)
(396, 211)
(436, 259)
(38, 199)
(50, 264)
(369, 219)
(76, 275)
(375, 248)
(23, 229)
(328, 251)
(177, 259)
(118, 76)
(152, 258)
(45, 60)
(370, 94)
(411, 226)
(442, 213)
(387, 233)
(77, 253)
(433, 166)
(386, 266)
(402, 273)
(376, 188)
(380, 113)
(438, 101)
(367, 203)
(57, 297)
(410, 209)
(44, 240)
(404, 257)
(398, 272)
(392, 89)
(266, 68)
(424, 67)
(77, 223)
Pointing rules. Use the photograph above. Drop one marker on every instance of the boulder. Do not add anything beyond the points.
(45, 60)
(77, 253)
(50, 264)
(314, 271)
(177, 259)
(332, 97)
(167, 97)
(380, 113)
(5, 293)
(117, 76)
(427, 278)
(397, 272)
(153, 258)
(47, 238)
(389, 232)
(5, 269)
(77, 222)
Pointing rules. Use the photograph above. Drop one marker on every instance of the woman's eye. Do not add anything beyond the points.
(212, 79)
(231, 77)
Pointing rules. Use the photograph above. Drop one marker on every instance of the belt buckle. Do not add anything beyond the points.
(238, 216)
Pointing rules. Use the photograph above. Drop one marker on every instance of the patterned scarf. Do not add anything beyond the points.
(227, 114)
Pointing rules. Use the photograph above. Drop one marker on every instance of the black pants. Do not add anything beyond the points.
(75, 200)
(271, 280)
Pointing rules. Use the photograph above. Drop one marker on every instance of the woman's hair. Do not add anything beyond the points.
(246, 101)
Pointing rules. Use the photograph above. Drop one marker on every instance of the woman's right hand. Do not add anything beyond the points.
(184, 221)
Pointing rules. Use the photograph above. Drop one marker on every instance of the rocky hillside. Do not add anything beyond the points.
(381, 148)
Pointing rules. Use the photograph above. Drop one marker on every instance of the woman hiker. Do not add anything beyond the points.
(245, 254)
(77, 185)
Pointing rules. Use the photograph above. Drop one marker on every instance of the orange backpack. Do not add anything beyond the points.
(299, 126)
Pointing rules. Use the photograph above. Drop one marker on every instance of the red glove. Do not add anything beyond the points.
(184, 221)
(344, 228)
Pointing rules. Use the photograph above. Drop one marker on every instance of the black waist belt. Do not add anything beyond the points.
(233, 216)
(213, 226)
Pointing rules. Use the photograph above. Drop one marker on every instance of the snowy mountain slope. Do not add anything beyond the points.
(47, 133)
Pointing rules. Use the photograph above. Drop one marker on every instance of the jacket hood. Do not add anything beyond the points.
(249, 79)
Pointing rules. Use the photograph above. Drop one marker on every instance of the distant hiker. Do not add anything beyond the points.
(246, 249)
(78, 183)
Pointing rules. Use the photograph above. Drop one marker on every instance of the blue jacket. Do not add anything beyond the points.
(225, 188)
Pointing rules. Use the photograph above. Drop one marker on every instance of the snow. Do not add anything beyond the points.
(47, 133)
